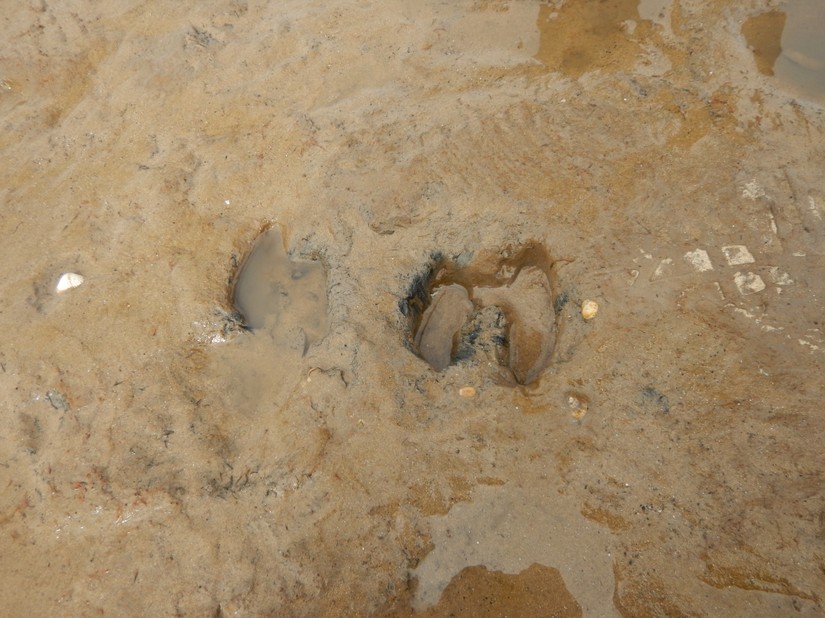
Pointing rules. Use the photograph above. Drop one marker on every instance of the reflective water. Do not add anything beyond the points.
(578, 37)
(763, 33)
(789, 43)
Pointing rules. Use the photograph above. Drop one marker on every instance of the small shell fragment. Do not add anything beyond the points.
(589, 309)
(578, 405)
(69, 281)
(467, 391)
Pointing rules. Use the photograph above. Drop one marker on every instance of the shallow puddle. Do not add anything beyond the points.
(583, 36)
(506, 594)
(789, 44)
(284, 303)
(284, 296)
(764, 36)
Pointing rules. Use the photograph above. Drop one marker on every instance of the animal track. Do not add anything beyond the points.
(501, 305)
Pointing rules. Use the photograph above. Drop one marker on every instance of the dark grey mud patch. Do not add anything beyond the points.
(284, 296)
(650, 398)
(500, 307)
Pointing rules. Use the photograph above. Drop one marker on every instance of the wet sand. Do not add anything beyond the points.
(159, 458)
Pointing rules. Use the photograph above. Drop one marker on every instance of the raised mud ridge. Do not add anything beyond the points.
(499, 305)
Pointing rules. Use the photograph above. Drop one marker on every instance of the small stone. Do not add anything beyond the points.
(68, 281)
(467, 391)
(589, 309)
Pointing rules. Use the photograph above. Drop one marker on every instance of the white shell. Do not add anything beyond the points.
(589, 309)
(68, 281)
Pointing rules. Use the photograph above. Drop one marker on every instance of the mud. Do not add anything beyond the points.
(158, 457)
(443, 319)
(281, 295)
(510, 323)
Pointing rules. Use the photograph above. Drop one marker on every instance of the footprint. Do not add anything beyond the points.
(285, 297)
(445, 306)
(527, 304)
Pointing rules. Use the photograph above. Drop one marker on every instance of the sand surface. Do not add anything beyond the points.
(159, 459)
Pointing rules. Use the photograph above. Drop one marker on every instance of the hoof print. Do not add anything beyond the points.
(283, 296)
(499, 306)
